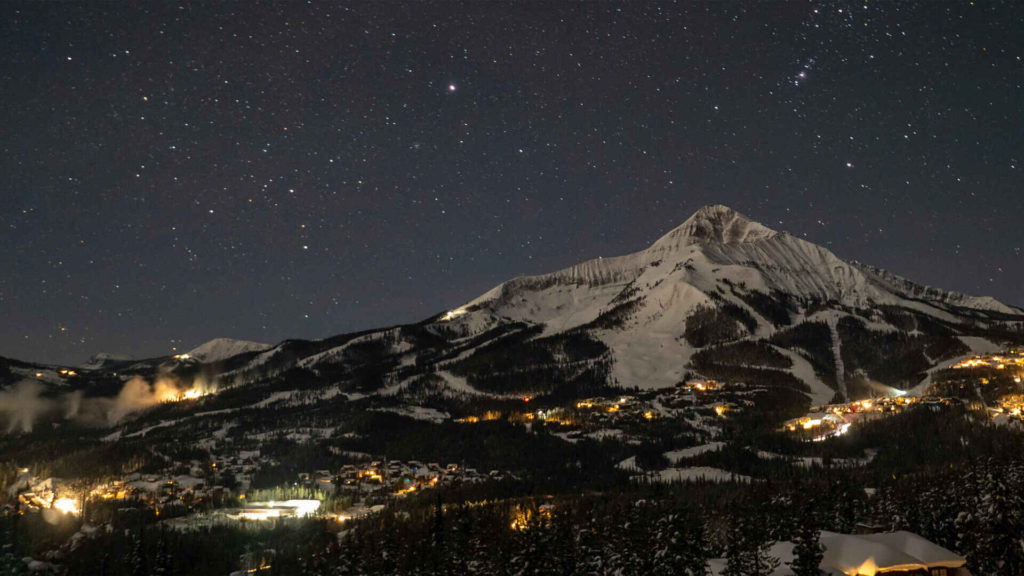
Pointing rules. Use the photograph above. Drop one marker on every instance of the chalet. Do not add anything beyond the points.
(886, 554)
(891, 553)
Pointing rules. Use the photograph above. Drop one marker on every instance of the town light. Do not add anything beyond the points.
(67, 505)
(452, 314)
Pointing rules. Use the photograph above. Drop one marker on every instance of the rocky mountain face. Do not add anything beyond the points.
(719, 297)
(722, 296)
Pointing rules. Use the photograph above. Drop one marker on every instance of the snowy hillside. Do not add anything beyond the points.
(222, 348)
(744, 279)
(105, 360)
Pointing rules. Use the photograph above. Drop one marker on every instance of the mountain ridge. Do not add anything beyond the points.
(719, 296)
(720, 259)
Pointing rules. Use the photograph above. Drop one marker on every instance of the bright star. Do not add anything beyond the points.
(451, 87)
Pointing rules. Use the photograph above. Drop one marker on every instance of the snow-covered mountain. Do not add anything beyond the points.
(103, 360)
(744, 280)
(718, 297)
(222, 348)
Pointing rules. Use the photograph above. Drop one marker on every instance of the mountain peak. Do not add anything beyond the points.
(105, 360)
(221, 348)
(715, 224)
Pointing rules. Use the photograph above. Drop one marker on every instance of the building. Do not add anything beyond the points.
(891, 553)
(886, 553)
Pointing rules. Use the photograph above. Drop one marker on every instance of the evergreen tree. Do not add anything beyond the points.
(695, 554)
(764, 563)
(737, 550)
(807, 549)
(679, 545)
(748, 550)
(138, 562)
(439, 553)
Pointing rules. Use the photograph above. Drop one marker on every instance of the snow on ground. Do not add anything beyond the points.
(102, 359)
(393, 389)
(1007, 420)
(781, 550)
(649, 360)
(695, 474)
(118, 435)
(674, 456)
(459, 384)
(569, 437)
(275, 397)
(834, 316)
(472, 349)
(976, 344)
(222, 348)
(930, 310)
(293, 434)
(980, 345)
(224, 429)
(816, 461)
(336, 353)
(838, 355)
(685, 474)
(298, 397)
(820, 393)
(417, 412)
(214, 412)
(153, 484)
(46, 375)
(605, 433)
(699, 422)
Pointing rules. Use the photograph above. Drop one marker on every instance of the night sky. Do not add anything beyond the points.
(174, 173)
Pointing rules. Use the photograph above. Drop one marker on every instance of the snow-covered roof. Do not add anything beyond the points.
(928, 552)
(869, 554)
(850, 554)
(884, 552)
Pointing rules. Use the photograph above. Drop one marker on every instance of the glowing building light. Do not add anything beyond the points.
(67, 505)
(303, 507)
(453, 314)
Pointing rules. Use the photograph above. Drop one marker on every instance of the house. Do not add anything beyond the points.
(891, 553)
(886, 553)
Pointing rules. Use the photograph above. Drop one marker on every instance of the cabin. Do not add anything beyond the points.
(899, 553)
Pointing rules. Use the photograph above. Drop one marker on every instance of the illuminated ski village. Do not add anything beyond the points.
(497, 288)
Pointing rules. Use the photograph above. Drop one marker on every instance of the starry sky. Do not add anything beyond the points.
(175, 172)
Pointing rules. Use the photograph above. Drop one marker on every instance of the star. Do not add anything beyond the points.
(451, 87)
